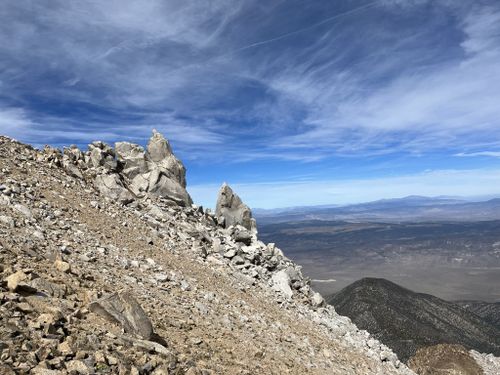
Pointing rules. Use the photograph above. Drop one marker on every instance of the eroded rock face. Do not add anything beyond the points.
(124, 309)
(232, 210)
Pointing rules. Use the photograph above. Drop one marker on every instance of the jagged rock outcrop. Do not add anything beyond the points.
(230, 210)
(209, 291)
(156, 172)
(128, 171)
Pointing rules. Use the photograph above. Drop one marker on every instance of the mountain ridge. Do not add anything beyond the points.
(406, 321)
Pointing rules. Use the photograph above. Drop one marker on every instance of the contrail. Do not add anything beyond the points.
(340, 15)
(280, 37)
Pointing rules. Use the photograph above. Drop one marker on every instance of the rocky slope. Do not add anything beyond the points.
(106, 267)
(406, 321)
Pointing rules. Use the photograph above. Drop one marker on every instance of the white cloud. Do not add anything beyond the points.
(494, 154)
(14, 121)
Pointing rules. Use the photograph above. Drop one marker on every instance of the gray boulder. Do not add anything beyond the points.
(232, 210)
(281, 283)
(73, 153)
(133, 159)
(122, 308)
(242, 235)
(110, 185)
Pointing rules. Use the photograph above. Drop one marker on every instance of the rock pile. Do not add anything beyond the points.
(107, 267)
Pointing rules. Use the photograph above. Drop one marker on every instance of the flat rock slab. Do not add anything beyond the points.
(123, 308)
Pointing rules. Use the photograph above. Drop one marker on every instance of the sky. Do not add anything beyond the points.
(291, 102)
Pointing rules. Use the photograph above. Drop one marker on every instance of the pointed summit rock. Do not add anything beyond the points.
(231, 208)
(158, 147)
(161, 156)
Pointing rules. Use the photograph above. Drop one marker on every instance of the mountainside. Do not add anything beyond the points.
(106, 267)
(489, 311)
(406, 321)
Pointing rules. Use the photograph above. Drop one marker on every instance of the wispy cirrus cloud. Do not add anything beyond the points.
(343, 84)
(451, 102)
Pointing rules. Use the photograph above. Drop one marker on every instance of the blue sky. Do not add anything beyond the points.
(292, 102)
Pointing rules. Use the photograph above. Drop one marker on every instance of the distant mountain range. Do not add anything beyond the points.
(411, 208)
(406, 321)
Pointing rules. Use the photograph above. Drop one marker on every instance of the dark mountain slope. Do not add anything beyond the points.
(486, 310)
(405, 320)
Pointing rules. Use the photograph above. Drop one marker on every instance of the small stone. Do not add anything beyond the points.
(62, 266)
(15, 283)
(14, 280)
(238, 260)
(161, 277)
(112, 361)
(23, 210)
(231, 253)
(77, 367)
(201, 308)
(196, 340)
(317, 300)
(185, 286)
(24, 307)
(65, 348)
(99, 357)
